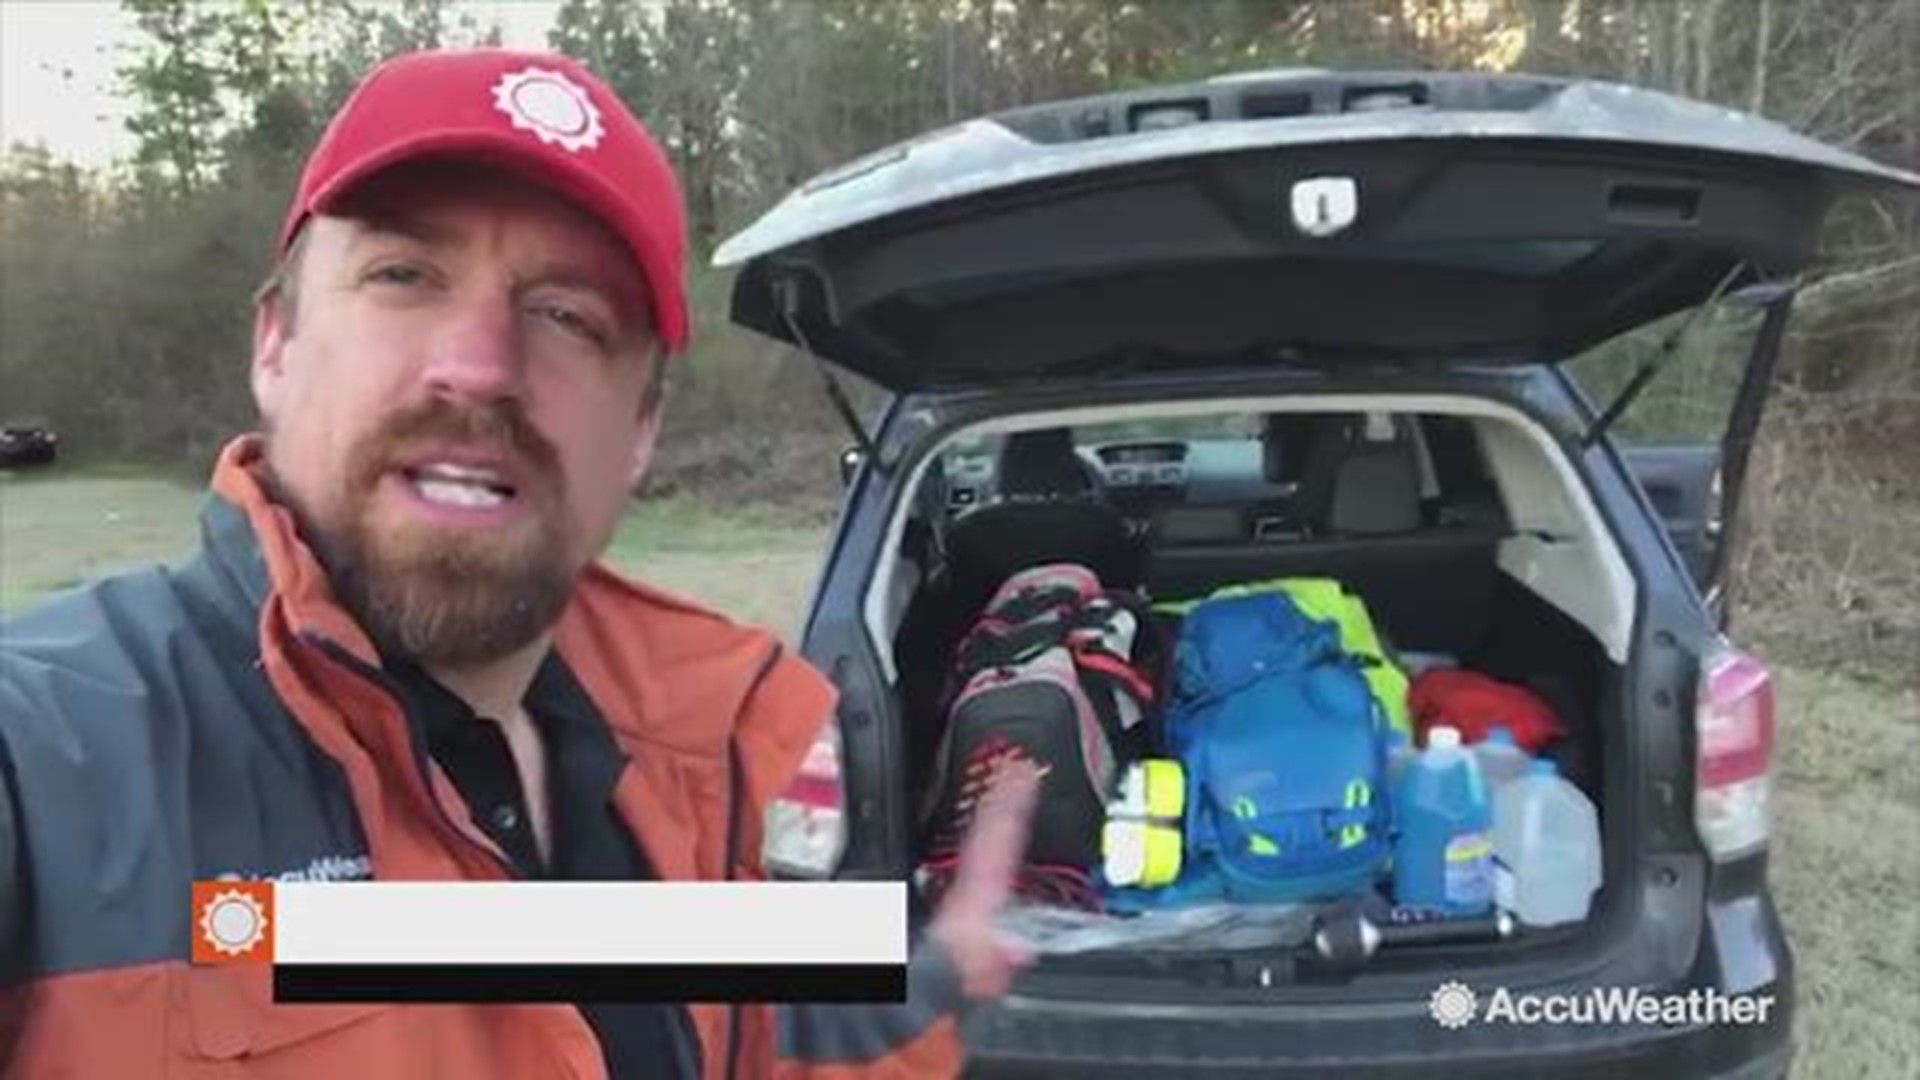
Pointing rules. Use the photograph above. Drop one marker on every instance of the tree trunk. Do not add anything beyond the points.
(1636, 55)
(1762, 42)
(1677, 50)
(949, 22)
(1704, 44)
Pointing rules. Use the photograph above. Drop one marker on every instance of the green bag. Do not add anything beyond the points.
(1328, 600)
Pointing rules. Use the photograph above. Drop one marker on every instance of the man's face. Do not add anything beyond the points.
(455, 411)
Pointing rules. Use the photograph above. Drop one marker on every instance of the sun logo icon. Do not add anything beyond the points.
(555, 108)
(1453, 1005)
(231, 920)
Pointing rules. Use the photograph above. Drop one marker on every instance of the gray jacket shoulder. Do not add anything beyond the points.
(71, 669)
(90, 656)
(99, 691)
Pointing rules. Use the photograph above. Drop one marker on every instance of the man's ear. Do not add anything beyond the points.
(653, 402)
(268, 372)
(643, 444)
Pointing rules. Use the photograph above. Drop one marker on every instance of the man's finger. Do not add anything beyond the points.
(997, 840)
(1015, 950)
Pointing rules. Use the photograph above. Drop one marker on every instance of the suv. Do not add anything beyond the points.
(1314, 323)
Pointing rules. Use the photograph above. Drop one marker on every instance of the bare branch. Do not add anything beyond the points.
(1868, 277)
(1792, 34)
(1757, 93)
(1890, 119)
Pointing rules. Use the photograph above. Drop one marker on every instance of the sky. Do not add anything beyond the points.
(57, 60)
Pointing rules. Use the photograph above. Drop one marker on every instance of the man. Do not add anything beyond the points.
(395, 655)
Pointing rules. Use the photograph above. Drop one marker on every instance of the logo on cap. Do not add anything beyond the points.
(550, 105)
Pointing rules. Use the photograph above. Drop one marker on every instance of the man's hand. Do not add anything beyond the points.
(986, 959)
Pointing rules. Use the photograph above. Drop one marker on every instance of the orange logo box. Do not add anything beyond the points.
(233, 922)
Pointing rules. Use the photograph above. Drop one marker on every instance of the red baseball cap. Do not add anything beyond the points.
(542, 115)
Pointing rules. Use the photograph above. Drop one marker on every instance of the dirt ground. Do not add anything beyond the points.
(1846, 861)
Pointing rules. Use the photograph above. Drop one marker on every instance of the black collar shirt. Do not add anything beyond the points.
(589, 841)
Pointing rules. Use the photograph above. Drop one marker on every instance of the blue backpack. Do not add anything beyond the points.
(1284, 750)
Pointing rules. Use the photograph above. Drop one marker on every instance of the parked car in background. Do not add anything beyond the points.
(28, 444)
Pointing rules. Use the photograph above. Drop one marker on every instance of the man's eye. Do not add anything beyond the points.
(572, 322)
(398, 274)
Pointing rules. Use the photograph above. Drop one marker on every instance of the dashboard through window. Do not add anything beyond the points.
(1175, 460)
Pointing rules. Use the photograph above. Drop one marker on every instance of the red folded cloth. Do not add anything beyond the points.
(1475, 704)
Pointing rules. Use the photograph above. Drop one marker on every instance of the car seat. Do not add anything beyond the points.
(1376, 487)
(1361, 477)
(1047, 508)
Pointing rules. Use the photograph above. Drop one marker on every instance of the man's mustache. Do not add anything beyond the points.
(496, 426)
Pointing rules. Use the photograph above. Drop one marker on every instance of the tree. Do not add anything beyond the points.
(610, 37)
(752, 97)
(176, 83)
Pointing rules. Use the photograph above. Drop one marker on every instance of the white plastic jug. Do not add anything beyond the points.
(1546, 848)
(1501, 759)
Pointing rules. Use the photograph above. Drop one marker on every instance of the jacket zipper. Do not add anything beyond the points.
(735, 785)
(385, 686)
(733, 845)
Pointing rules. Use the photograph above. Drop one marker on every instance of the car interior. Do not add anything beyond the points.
(1459, 538)
(1357, 497)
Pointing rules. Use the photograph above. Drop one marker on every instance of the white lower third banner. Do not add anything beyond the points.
(561, 941)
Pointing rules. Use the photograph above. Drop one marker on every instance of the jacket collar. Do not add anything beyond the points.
(228, 548)
(666, 673)
(276, 564)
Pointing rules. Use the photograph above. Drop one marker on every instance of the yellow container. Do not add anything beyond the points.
(1140, 843)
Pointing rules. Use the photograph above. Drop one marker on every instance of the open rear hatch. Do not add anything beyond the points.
(1299, 218)
(1293, 217)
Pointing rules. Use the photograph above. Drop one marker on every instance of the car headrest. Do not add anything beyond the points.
(1042, 463)
(1377, 490)
(1287, 442)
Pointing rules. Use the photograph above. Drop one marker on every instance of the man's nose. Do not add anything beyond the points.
(476, 353)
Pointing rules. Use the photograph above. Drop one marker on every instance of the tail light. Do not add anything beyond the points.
(1734, 758)
(807, 825)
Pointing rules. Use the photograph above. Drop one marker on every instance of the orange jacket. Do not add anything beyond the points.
(102, 984)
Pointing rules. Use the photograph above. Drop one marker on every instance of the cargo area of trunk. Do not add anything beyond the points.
(1448, 586)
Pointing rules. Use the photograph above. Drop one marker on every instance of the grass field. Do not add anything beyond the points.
(1846, 864)
(757, 564)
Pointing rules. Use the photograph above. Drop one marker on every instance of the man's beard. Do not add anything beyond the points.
(436, 596)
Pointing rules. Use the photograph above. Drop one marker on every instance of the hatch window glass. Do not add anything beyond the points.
(1691, 399)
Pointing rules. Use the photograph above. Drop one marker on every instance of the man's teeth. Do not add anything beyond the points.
(458, 493)
(460, 485)
(460, 472)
